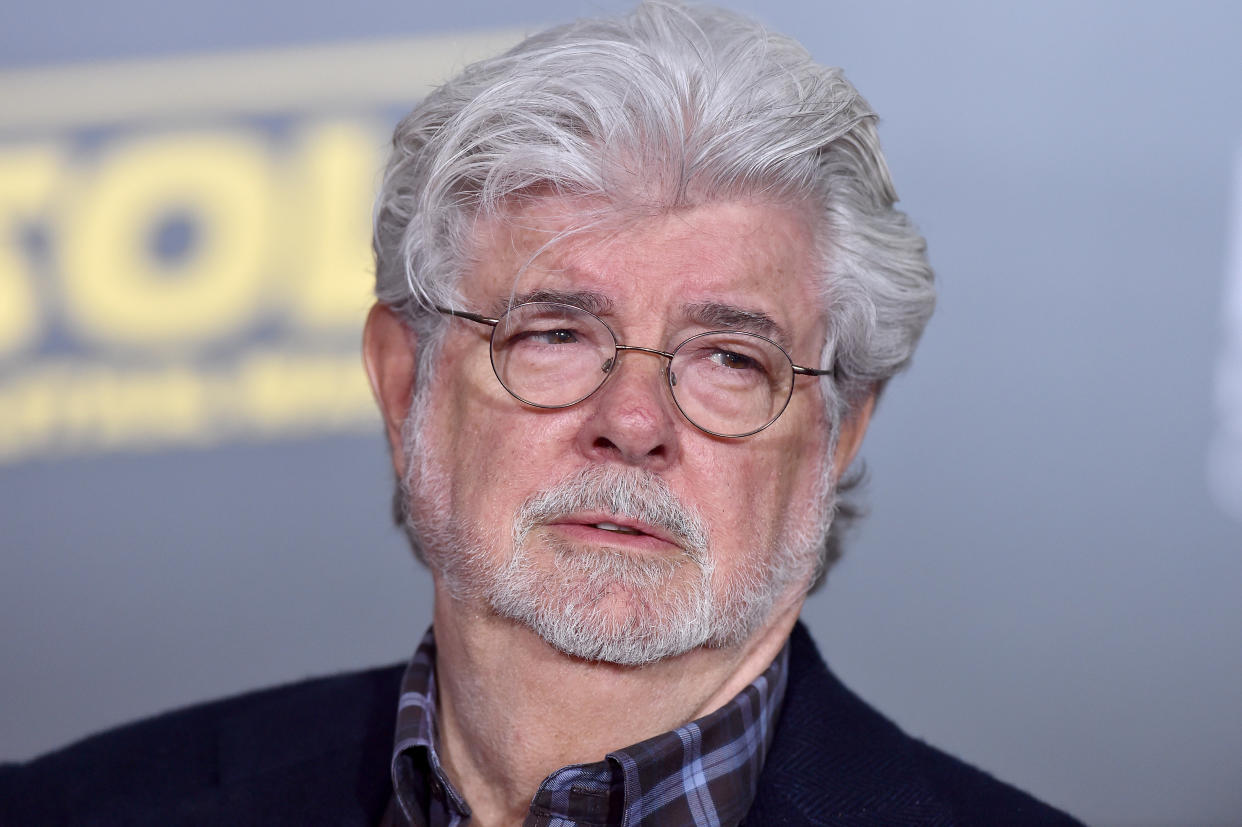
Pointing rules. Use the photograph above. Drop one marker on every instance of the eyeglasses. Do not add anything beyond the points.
(727, 383)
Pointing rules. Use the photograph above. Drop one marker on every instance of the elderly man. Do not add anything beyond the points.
(640, 282)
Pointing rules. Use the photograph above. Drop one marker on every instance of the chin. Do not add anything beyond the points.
(614, 606)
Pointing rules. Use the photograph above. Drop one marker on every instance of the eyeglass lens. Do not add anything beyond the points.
(554, 355)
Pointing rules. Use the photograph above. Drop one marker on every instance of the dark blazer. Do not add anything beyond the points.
(317, 752)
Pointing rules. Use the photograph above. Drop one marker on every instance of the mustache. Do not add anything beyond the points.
(622, 492)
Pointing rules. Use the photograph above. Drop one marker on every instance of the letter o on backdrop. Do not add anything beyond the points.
(119, 290)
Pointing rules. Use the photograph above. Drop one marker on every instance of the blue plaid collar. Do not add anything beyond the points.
(702, 773)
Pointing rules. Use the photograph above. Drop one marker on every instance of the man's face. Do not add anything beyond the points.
(518, 507)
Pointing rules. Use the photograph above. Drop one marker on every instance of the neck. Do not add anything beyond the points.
(512, 710)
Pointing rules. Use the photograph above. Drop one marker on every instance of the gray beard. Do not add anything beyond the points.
(607, 604)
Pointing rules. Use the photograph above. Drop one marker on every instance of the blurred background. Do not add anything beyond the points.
(194, 490)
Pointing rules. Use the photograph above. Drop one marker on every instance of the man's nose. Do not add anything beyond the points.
(633, 417)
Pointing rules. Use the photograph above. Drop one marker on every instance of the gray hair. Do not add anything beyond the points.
(668, 107)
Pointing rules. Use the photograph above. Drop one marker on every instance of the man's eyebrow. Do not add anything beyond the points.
(720, 316)
(588, 300)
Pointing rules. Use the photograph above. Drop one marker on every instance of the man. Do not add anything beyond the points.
(640, 283)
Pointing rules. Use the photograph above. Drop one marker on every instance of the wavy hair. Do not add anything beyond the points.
(670, 106)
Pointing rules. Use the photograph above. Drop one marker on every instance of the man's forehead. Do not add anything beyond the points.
(728, 266)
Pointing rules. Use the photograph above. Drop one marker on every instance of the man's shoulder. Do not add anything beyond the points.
(836, 760)
(243, 760)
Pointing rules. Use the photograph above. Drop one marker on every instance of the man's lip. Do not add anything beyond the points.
(593, 519)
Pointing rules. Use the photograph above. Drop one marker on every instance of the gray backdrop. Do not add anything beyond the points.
(1048, 581)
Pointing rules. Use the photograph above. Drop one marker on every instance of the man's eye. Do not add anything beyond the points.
(555, 336)
(734, 361)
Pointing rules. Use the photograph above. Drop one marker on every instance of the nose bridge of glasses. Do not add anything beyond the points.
(650, 350)
(611, 364)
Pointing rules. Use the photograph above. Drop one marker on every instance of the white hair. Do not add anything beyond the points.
(665, 108)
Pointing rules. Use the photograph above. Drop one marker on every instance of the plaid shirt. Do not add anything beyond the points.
(703, 773)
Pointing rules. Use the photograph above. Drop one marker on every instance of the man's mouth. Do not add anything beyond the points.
(588, 526)
(620, 529)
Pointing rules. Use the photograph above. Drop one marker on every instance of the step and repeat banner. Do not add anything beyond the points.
(185, 243)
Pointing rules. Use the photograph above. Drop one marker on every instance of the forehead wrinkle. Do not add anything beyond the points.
(722, 316)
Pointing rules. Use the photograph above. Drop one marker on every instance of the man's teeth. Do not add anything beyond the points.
(619, 528)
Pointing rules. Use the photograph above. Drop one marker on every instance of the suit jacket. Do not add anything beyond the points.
(317, 752)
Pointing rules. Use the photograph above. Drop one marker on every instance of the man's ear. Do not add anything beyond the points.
(388, 351)
(852, 431)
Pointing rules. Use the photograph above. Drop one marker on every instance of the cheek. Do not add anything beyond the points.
(755, 499)
(739, 497)
(500, 453)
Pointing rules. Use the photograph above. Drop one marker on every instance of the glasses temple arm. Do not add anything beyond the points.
(463, 314)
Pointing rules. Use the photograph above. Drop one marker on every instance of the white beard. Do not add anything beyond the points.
(601, 603)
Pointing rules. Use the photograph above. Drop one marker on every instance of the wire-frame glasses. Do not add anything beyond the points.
(728, 383)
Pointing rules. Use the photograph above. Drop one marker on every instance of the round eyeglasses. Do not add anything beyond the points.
(727, 383)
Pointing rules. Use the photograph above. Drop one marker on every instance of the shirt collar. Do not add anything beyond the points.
(703, 772)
